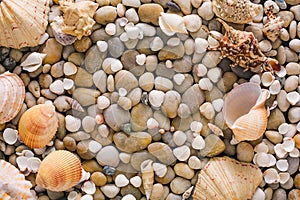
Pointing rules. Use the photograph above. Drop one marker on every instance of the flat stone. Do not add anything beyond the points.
(171, 53)
(125, 79)
(162, 152)
(139, 116)
(108, 155)
(93, 59)
(193, 97)
(137, 140)
(149, 12)
(115, 116)
(86, 96)
(106, 14)
(53, 51)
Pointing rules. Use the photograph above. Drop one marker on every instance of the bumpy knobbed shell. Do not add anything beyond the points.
(236, 11)
(33, 61)
(78, 17)
(272, 28)
(244, 111)
(12, 93)
(59, 171)
(22, 22)
(171, 24)
(38, 125)
(60, 36)
(13, 184)
(147, 176)
(225, 178)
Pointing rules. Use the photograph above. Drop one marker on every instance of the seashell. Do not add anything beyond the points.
(60, 36)
(244, 111)
(267, 79)
(272, 28)
(147, 176)
(22, 22)
(10, 136)
(171, 24)
(59, 171)
(13, 184)
(75, 105)
(226, 178)
(78, 17)
(236, 11)
(12, 92)
(38, 125)
(33, 61)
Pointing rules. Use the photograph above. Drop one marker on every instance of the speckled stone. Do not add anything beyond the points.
(137, 140)
(53, 50)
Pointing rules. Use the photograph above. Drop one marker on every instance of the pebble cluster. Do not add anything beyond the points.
(134, 91)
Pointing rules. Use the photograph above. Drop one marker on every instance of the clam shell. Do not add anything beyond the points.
(171, 24)
(226, 178)
(12, 92)
(244, 111)
(23, 22)
(38, 125)
(12, 183)
(33, 61)
(147, 176)
(59, 171)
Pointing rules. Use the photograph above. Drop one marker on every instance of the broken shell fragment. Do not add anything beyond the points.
(59, 171)
(147, 176)
(244, 111)
(60, 36)
(171, 24)
(12, 183)
(33, 61)
(38, 125)
(12, 92)
(226, 178)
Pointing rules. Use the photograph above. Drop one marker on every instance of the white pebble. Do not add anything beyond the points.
(258, 195)
(255, 79)
(72, 195)
(294, 153)
(218, 104)
(205, 84)
(110, 29)
(288, 144)
(194, 162)
(201, 70)
(140, 59)
(128, 197)
(72, 123)
(57, 87)
(178, 78)
(156, 98)
(169, 64)
(122, 92)
(200, 45)
(279, 151)
(156, 44)
(88, 124)
(196, 126)
(214, 74)
(182, 153)
(179, 138)
(94, 146)
(102, 45)
(293, 97)
(160, 169)
(261, 159)
(110, 190)
(283, 128)
(123, 37)
(68, 83)
(121, 180)
(69, 68)
(136, 181)
(173, 42)
(88, 187)
(103, 130)
(152, 123)
(282, 165)
(86, 197)
(198, 143)
(10, 136)
(125, 157)
(103, 102)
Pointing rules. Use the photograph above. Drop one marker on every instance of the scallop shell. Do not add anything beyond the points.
(147, 176)
(236, 11)
(78, 17)
(171, 24)
(22, 22)
(38, 125)
(13, 184)
(244, 111)
(225, 178)
(12, 92)
(59, 171)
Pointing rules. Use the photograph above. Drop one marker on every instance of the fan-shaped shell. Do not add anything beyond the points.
(224, 178)
(59, 171)
(38, 125)
(244, 111)
(13, 184)
(22, 22)
(12, 93)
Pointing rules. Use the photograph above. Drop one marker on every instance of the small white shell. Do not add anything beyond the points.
(10, 136)
(293, 97)
(171, 24)
(271, 176)
(88, 187)
(33, 61)
(267, 79)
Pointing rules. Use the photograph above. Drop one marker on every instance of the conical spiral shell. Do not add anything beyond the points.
(59, 171)
(13, 184)
(224, 178)
(12, 93)
(244, 111)
(147, 176)
(38, 125)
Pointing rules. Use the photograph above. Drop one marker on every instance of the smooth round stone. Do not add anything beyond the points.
(193, 97)
(121, 180)
(205, 84)
(156, 98)
(183, 111)
(184, 171)
(57, 69)
(139, 116)
(160, 169)
(291, 83)
(200, 45)
(136, 181)
(162, 152)
(294, 114)
(128, 197)
(182, 153)
(57, 87)
(163, 84)
(244, 152)
(86, 96)
(100, 80)
(198, 143)
(279, 194)
(82, 78)
(214, 74)
(171, 53)
(72, 123)
(291, 56)
(179, 138)
(137, 140)
(115, 116)
(69, 68)
(146, 81)
(82, 45)
(294, 194)
(207, 110)
(157, 191)
(98, 178)
(293, 165)
(125, 103)
(205, 11)
(138, 157)
(135, 96)
(108, 155)
(171, 103)
(149, 12)
(192, 22)
(295, 45)
(125, 79)
(183, 65)
(296, 11)
(115, 47)
(53, 49)
(178, 78)
(179, 185)
(297, 181)
(274, 136)
(194, 162)
(103, 102)
(45, 80)
(286, 16)
(88, 124)
(275, 119)
(156, 44)
(213, 146)
(106, 14)
(292, 68)
(110, 190)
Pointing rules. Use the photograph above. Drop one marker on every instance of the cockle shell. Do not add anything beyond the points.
(38, 125)
(147, 176)
(22, 22)
(244, 111)
(60, 36)
(59, 171)
(224, 178)
(13, 184)
(12, 92)
(78, 17)
(171, 24)
(236, 11)
(33, 61)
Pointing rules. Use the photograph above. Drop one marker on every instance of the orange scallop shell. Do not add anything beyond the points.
(38, 125)
(59, 171)
(12, 92)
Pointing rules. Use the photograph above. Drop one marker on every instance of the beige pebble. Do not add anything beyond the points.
(291, 83)
(83, 45)
(205, 11)
(179, 138)
(284, 34)
(69, 68)
(179, 185)
(150, 12)
(163, 84)
(105, 14)
(244, 152)
(86, 96)
(57, 87)
(293, 29)
(207, 110)
(182, 153)
(108, 155)
(286, 16)
(34, 88)
(274, 136)
(157, 191)
(57, 69)
(162, 152)
(183, 170)
(146, 81)
(294, 114)
(88, 124)
(125, 103)
(294, 44)
(265, 45)
(198, 143)
(283, 104)
(194, 162)
(200, 45)
(53, 50)
(292, 68)
(294, 194)
(72, 123)
(69, 143)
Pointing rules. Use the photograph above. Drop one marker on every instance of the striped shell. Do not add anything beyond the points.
(224, 178)
(22, 22)
(59, 171)
(147, 176)
(12, 92)
(244, 111)
(13, 184)
(38, 125)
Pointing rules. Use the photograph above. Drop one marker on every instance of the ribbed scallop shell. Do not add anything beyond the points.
(13, 184)
(224, 178)
(12, 93)
(59, 171)
(38, 125)
(22, 22)
(244, 111)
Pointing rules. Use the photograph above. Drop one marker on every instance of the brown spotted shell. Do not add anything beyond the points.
(12, 93)
(22, 22)
(38, 125)
(59, 171)
(225, 178)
